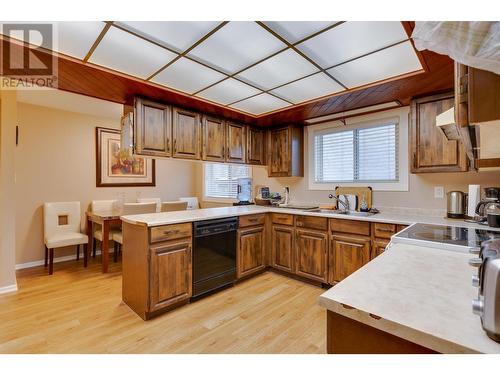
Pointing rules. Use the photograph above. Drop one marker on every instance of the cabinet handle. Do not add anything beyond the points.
(384, 230)
(347, 306)
(376, 317)
(167, 232)
(175, 145)
(253, 220)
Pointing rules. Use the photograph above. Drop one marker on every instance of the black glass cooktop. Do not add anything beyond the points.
(450, 235)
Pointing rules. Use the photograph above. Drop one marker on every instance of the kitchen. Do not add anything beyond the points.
(252, 197)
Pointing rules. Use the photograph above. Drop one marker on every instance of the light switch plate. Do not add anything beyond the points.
(438, 192)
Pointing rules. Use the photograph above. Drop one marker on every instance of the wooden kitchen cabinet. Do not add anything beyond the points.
(250, 251)
(311, 252)
(282, 248)
(347, 254)
(236, 143)
(378, 247)
(186, 134)
(431, 151)
(152, 128)
(170, 274)
(213, 139)
(256, 153)
(285, 152)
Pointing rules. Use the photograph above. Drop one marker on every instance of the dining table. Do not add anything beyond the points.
(106, 218)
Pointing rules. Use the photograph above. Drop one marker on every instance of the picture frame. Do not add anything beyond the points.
(115, 168)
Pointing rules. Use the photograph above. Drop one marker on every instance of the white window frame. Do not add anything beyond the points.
(397, 116)
(207, 198)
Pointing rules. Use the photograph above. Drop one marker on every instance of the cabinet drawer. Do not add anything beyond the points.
(170, 232)
(384, 230)
(252, 220)
(313, 222)
(350, 226)
(283, 219)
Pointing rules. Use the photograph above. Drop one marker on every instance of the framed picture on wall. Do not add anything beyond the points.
(115, 167)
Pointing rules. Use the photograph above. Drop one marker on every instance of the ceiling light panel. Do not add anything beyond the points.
(236, 46)
(228, 91)
(122, 51)
(76, 38)
(293, 31)
(260, 104)
(187, 75)
(352, 39)
(178, 35)
(308, 88)
(277, 70)
(384, 64)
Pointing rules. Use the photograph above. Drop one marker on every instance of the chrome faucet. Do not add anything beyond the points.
(342, 202)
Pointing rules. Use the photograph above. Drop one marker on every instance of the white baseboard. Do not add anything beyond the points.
(41, 262)
(8, 289)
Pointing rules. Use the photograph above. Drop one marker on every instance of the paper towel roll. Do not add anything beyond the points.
(474, 198)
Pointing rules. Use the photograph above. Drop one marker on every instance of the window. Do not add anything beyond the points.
(369, 150)
(357, 155)
(221, 180)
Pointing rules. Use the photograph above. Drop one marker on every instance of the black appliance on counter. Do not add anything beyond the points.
(214, 254)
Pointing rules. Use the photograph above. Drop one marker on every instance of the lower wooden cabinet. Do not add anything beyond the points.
(250, 251)
(378, 247)
(311, 251)
(347, 254)
(282, 248)
(170, 268)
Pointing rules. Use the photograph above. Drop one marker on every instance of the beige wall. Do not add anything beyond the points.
(56, 162)
(8, 122)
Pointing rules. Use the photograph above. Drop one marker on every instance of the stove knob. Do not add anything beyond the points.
(475, 262)
(475, 281)
(474, 250)
(477, 307)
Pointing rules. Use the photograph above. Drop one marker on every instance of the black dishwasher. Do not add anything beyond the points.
(214, 254)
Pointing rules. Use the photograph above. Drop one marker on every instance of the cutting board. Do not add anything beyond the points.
(358, 191)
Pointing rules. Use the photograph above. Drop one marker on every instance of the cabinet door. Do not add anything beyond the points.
(153, 128)
(431, 150)
(256, 146)
(250, 254)
(378, 247)
(213, 139)
(282, 248)
(170, 274)
(347, 254)
(186, 134)
(310, 254)
(279, 152)
(235, 143)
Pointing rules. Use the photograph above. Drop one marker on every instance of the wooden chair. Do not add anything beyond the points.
(61, 227)
(173, 206)
(193, 203)
(131, 209)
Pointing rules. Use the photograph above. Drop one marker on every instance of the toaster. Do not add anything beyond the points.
(487, 305)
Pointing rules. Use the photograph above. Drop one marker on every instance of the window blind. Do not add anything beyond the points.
(221, 180)
(357, 155)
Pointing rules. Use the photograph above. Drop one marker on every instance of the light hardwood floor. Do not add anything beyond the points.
(79, 310)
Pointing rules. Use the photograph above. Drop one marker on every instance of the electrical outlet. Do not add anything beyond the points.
(438, 192)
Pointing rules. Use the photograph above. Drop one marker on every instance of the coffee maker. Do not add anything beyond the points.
(488, 203)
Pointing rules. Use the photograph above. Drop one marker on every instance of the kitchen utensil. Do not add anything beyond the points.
(358, 191)
(493, 215)
(456, 204)
(492, 195)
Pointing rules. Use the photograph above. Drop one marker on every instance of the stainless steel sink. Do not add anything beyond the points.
(341, 212)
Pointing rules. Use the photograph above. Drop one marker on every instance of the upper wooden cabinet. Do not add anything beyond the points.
(153, 128)
(186, 134)
(477, 95)
(431, 151)
(285, 152)
(236, 143)
(214, 138)
(256, 152)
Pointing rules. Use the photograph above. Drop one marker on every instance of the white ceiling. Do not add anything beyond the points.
(255, 67)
